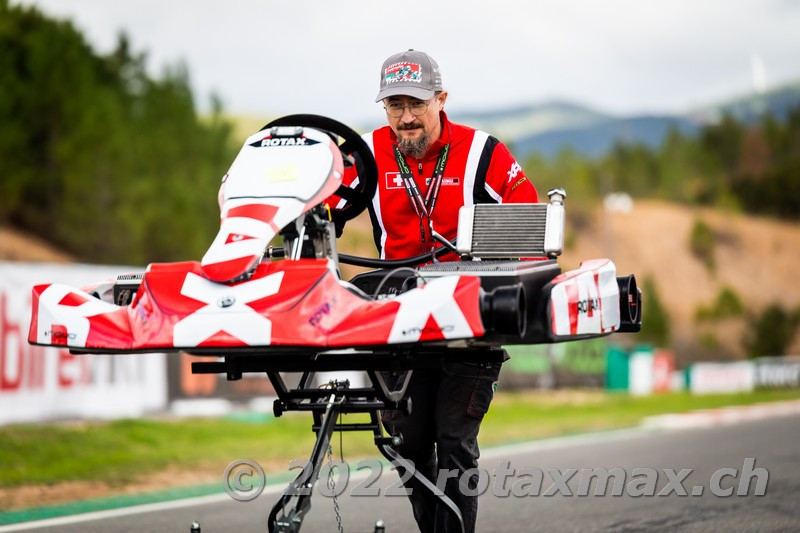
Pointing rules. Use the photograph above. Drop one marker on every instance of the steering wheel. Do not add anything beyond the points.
(358, 198)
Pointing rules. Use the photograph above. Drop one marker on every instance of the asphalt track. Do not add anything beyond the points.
(772, 442)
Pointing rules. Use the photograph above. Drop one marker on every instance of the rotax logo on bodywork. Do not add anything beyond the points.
(269, 141)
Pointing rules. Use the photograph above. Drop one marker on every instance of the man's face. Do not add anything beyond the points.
(414, 129)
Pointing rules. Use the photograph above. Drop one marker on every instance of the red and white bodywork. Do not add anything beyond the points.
(585, 301)
(284, 303)
(272, 181)
(300, 303)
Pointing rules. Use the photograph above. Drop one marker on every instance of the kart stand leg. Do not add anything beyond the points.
(281, 521)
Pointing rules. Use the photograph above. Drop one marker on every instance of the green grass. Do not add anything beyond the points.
(125, 451)
(128, 450)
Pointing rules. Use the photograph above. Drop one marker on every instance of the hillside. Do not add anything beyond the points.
(756, 257)
(19, 246)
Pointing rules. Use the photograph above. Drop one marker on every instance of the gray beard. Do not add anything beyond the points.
(414, 148)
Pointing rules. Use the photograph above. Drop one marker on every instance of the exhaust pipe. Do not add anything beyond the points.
(629, 299)
(504, 311)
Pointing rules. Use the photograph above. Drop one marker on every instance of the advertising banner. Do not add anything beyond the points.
(641, 372)
(721, 378)
(547, 366)
(45, 383)
(663, 370)
(778, 372)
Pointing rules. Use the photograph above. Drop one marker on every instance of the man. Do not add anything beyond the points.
(428, 167)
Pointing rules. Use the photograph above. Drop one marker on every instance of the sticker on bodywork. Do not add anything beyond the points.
(585, 301)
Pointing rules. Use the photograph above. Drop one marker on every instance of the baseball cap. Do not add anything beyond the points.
(410, 73)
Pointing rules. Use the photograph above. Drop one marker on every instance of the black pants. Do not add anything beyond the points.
(441, 433)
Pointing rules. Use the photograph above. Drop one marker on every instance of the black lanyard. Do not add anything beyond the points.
(423, 207)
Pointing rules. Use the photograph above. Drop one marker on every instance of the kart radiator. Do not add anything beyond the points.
(504, 231)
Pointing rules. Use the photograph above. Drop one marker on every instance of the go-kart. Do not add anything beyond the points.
(285, 308)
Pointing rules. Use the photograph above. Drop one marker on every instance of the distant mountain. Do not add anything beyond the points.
(523, 121)
(597, 139)
(751, 108)
(550, 127)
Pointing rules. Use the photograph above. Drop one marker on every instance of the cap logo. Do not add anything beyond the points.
(403, 72)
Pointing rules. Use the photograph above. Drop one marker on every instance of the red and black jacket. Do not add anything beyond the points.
(479, 169)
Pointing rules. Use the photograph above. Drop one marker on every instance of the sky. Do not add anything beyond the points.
(269, 57)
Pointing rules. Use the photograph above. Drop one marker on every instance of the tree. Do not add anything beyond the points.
(771, 331)
(702, 243)
(655, 319)
(98, 157)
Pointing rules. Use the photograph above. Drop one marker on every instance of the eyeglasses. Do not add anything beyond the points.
(417, 108)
